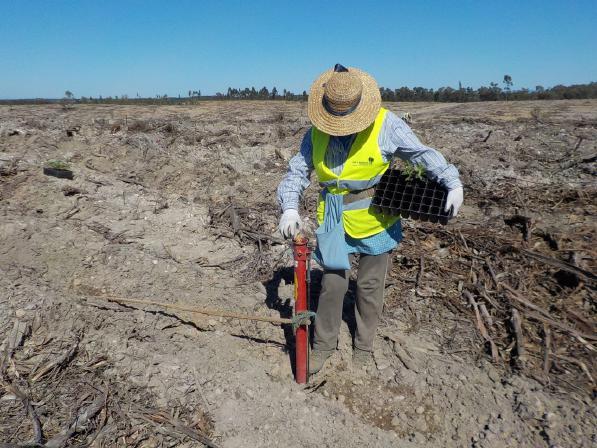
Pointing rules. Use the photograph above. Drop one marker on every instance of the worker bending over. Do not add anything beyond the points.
(350, 145)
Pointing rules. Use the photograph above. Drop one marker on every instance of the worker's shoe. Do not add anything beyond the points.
(361, 359)
(317, 359)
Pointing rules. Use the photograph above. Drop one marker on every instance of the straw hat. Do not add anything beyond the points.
(343, 101)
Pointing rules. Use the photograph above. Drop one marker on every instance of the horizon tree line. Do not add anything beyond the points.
(462, 94)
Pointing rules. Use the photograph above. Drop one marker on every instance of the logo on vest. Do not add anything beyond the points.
(363, 162)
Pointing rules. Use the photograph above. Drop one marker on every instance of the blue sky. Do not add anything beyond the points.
(148, 47)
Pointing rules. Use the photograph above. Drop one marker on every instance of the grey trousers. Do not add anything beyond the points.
(368, 305)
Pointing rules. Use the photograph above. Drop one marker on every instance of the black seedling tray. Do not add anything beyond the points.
(421, 199)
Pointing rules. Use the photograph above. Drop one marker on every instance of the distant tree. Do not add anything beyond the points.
(541, 93)
(491, 93)
(68, 95)
(274, 93)
(507, 84)
(190, 94)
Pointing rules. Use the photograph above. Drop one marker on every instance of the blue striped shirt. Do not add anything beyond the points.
(396, 139)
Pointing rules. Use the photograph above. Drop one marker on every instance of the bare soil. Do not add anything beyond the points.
(488, 333)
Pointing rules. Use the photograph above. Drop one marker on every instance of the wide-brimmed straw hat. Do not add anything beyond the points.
(343, 101)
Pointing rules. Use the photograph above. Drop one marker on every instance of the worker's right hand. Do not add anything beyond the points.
(290, 223)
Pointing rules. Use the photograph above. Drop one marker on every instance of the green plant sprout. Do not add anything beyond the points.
(414, 171)
(57, 165)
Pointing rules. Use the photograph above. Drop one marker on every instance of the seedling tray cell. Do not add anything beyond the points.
(421, 199)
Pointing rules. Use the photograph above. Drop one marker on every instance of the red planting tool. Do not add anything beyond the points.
(302, 256)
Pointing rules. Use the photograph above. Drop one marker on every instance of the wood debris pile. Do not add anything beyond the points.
(528, 288)
(56, 395)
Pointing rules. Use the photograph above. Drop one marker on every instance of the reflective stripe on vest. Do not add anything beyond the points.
(362, 169)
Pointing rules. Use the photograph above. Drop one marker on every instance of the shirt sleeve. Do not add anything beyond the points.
(398, 139)
(296, 179)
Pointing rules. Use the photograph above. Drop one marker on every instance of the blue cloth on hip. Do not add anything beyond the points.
(331, 250)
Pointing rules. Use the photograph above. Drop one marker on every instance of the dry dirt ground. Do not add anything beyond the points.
(176, 204)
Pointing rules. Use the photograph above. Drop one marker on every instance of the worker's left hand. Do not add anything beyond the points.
(454, 200)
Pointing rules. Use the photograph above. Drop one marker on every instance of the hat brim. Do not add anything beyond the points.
(354, 122)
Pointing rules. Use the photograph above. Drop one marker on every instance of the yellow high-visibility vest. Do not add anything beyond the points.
(363, 169)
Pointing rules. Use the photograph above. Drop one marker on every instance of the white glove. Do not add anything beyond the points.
(290, 223)
(454, 200)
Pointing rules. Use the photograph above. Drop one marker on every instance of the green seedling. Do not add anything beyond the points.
(57, 165)
(414, 171)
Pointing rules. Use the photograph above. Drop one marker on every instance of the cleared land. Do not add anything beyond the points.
(177, 204)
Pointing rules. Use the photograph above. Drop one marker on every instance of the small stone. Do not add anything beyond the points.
(493, 375)
(492, 429)
(551, 420)
(260, 287)
(382, 364)
(341, 398)
(19, 313)
(420, 410)
(326, 393)
(575, 429)
(443, 253)
(419, 438)
(395, 421)
(420, 424)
